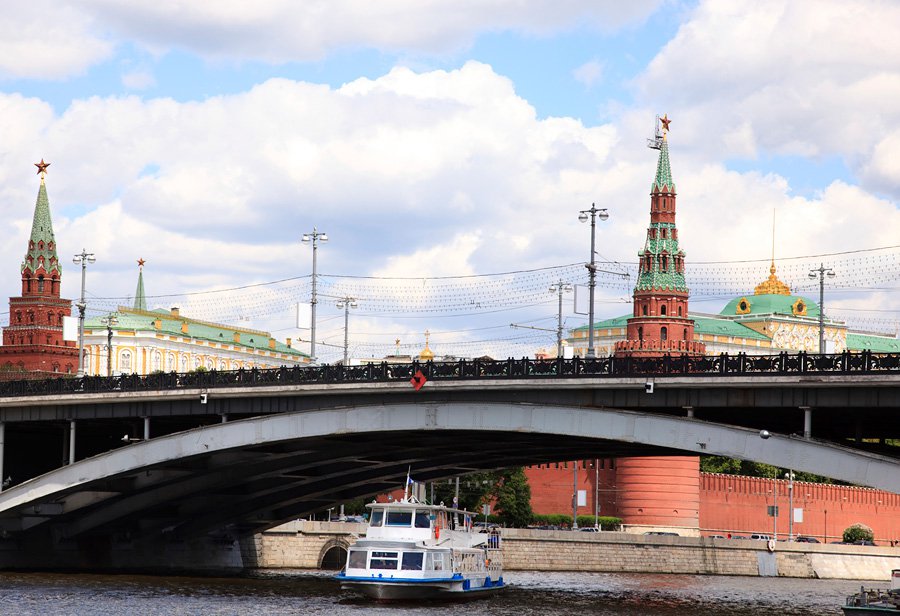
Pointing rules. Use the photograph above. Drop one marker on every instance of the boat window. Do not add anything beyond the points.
(399, 518)
(357, 559)
(422, 520)
(383, 560)
(435, 562)
(377, 517)
(412, 561)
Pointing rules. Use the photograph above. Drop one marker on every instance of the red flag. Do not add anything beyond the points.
(418, 380)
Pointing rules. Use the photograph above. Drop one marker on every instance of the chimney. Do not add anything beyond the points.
(271, 343)
(237, 337)
(288, 343)
(174, 311)
(157, 324)
(184, 327)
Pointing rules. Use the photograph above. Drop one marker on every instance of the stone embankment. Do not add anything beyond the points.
(307, 545)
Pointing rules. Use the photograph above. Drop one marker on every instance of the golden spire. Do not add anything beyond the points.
(772, 286)
(426, 353)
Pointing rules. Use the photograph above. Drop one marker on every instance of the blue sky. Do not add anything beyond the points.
(448, 139)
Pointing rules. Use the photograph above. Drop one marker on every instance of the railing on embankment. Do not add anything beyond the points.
(305, 544)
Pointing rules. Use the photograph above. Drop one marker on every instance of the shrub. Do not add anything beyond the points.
(857, 532)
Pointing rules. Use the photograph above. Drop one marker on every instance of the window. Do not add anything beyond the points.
(640, 333)
(377, 517)
(170, 362)
(40, 284)
(679, 311)
(685, 334)
(398, 518)
(383, 560)
(413, 561)
(125, 361)
(663, 333)
(357, 559)
(422, 520)
(157, 360)
(644, 310)
(435, 562)
(662, 310)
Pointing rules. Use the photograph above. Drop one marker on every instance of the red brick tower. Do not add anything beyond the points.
(660, 324)
(660, 491)
(33, 343)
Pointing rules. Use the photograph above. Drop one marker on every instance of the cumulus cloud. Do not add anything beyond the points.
(588, 73)
(48, 40)
(811, 79)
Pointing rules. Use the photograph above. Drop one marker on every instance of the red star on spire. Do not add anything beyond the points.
(141, 262)
(42, 167)
(665, 122)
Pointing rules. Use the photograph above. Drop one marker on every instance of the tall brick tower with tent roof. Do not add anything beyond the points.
(664, 491)
(33, 345)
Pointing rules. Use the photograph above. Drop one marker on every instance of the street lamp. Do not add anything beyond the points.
(346, 303)
(583, 216)
(560, 288)
(82, 259)
(109, 321)
(820, 273)
(790, 477)
(315, 237)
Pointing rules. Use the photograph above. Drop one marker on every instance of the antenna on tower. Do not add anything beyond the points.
(655, 142)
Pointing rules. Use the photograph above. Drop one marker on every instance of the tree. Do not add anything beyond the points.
(858, 532)
(513, 498)
(474, 490)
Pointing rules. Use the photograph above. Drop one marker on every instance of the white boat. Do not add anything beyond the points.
(418, 551)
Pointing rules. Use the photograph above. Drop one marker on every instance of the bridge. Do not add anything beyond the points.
(215, 457)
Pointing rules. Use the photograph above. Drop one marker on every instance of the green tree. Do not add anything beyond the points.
(513, 498)
(858, 532)
(474, 490)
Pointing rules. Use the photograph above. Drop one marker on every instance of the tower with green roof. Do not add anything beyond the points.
(33, 341)
(660, 324)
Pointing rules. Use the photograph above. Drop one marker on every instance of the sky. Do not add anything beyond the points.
(446, 148)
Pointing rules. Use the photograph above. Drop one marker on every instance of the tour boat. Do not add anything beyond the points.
(875, 602)
(417, 551)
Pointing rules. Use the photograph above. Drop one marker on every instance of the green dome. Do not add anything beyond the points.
(771, 304)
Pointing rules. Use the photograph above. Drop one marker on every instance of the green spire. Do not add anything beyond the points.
(140, 300)
(663, 171)
(42, 243)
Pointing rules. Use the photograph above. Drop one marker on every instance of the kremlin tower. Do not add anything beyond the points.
(33, 340)
(660, 491)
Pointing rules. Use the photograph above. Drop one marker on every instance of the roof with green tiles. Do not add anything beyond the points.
(711, 326)
(770, 304)
(130, 319)
(871, 342)
(42, 242)
(663, 179)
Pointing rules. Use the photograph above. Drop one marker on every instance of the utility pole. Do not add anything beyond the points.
(820, 273)
(315, 237)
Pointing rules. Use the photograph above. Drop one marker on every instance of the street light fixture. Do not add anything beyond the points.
(820, 273)
(82, 259)
(790, 477)
(315, 237)
(560, 288)
(109, 321)
(346, 303)
(583, 216)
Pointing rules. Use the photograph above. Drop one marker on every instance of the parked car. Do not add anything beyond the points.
(738, 537)
(862, 542)
(662, 533)
(802, 539)
(589, 529)
(716, 536)
(760, 537)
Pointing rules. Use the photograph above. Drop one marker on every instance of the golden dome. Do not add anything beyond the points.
(426, 354)
(772, 286)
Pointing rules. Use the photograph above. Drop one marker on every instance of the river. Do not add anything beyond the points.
(285, 592)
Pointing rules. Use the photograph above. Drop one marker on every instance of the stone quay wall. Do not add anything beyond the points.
(304, 545)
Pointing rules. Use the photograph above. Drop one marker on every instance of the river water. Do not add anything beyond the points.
(284, 592)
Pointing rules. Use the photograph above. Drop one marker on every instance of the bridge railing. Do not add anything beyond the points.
(864, 362)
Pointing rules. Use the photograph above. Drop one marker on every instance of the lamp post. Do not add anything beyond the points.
(560, 288)
(82, 259)
(346, 303)
(109, 321)
(790, 477)
(315, 237)
(575, 495)
(820, 273)
(583, 216)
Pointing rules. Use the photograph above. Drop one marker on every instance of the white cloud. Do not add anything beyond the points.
(138, 80)
(49, 40)
(812, 79)
(589, 73)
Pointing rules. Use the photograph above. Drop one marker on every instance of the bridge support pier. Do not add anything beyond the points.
(71, 441)
(146, 428)
(2, 451)
(807, 421)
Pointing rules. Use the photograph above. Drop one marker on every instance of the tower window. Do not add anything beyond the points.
(40, 284)
(662, 310)
(663, 333)
(644, 310)
(640, 333)
(679, 311)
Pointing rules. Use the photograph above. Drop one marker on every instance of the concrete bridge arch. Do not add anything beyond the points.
(234, 479)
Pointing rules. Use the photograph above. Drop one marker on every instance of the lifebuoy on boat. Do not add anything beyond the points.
(770, 544)
(437, 532)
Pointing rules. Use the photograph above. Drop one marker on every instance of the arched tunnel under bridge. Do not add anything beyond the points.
(209, 486)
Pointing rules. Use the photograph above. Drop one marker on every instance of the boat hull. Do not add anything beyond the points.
(421, 590)
(870, 610)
